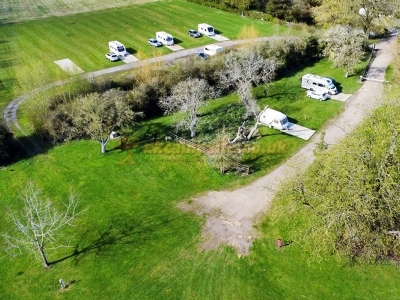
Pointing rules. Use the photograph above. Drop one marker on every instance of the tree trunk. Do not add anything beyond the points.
(43, 255)
(103, 147)
(192, 130)
(252, 131)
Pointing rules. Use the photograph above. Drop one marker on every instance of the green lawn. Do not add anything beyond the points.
(134, 243)
(31, 47)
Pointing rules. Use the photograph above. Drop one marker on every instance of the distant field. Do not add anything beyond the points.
(12, 11)
(31, 47)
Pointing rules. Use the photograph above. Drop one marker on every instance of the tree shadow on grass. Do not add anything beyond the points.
(125, 231)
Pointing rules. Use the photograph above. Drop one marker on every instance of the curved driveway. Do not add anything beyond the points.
(10, 112)
(231, 215)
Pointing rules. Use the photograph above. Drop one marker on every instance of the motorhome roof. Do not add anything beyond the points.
(116, 43)
(275, 113)
(318, 77)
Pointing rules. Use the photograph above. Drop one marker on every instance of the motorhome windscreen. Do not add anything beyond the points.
(331, 86)
(168, 39)
(210, 29)
(284, 121)
(120, 49)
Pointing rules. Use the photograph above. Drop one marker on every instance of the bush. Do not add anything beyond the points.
(8, 147)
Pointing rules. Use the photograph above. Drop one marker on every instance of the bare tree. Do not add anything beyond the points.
(188, 96)
(244, 69)
(99, 114)
(39, 225)
(343, 46)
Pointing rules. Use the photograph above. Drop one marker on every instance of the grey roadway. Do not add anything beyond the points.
(10, 112)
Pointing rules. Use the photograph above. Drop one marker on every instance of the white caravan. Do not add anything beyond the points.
(212, 49)
(318, 83)
(117, 48)
(206, 29)
(165, 38)
(273, 119)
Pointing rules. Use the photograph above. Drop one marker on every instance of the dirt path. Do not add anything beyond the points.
(232, 214)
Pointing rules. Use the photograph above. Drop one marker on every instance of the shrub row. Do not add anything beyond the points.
(146, 86)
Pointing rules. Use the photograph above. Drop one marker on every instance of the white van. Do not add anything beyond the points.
(318, 83)
(273, 119)
(212, 49)
(206, 29)
(165, 38)
(117, 48)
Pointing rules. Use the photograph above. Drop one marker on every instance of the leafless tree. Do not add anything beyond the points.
(246, 68)
(39, 225)
(99, 114)
(188, 96)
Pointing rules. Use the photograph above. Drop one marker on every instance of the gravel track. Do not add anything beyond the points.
(231, 215)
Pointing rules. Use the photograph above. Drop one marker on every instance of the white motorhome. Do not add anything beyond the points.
(206, 29)
(117, 48)
(273, 119)
(165, 38)
(212, 49)
(318, 83)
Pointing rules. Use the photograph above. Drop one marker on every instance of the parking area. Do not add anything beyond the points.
(175, 47)
(68, 66)
(341, 97)
(299, 131)
(219, 38)
(129, 58)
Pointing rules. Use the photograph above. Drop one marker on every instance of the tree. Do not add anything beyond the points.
(7, 144)
(223, 154)
(280, 9)
(357, 13)
(99, 114)
(345, 48)
(187, 96)
(244, 69)
(39, 226)
(350, 197)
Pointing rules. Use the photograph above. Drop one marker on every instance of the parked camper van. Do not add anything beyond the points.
(117, 48)
(318, 83)
(212, 49)
(206, 29)
(273, 119)
(165, 38)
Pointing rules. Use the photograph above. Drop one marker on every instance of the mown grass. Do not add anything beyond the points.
(133, 241)
(35, 45)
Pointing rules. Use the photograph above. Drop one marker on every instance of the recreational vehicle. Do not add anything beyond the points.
(117, 48)
(206, 29)
(212, 49)
(318, 83)
(273, 119)
(165, 38)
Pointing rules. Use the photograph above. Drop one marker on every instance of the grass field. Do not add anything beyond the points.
(16, 11)
(83, 38)
(133, 242)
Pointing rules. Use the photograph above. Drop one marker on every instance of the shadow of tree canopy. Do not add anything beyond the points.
(129, 231)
